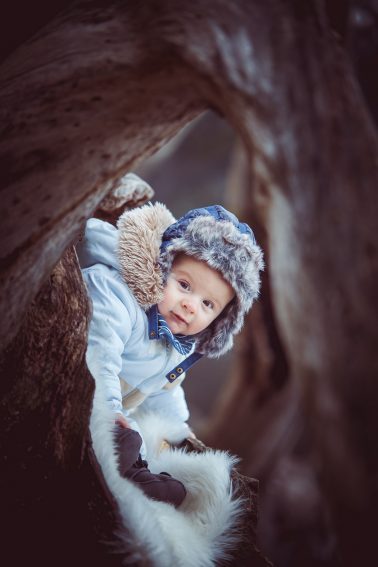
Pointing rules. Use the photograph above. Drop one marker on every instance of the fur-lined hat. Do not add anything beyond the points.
(150, 239)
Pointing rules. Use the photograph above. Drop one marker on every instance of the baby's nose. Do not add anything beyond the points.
(190, 305)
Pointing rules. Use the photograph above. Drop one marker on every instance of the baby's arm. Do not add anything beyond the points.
(122, 421)
(109, 331)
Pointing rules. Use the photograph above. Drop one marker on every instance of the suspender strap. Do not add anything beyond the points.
(183, 367)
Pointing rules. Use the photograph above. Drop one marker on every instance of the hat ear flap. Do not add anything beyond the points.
(218, 338)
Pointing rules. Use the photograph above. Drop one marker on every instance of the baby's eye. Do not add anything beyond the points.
(208, 303)
(184, 284)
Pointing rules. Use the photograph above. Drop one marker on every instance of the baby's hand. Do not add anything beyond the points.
(122, 421)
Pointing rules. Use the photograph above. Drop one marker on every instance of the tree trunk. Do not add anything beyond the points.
(56, 506)
(108, 83)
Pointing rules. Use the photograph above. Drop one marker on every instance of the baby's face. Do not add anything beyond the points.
(194, 296)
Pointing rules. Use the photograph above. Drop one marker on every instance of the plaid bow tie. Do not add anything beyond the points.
(182, 343)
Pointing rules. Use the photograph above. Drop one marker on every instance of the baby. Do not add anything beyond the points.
(164, 293)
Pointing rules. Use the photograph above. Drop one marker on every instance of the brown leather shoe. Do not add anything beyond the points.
(157, 486)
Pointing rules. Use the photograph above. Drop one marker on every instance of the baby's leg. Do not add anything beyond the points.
(157, 486)
(128, 444)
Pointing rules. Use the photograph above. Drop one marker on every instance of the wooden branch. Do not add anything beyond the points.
(80, 103)
(130, 191)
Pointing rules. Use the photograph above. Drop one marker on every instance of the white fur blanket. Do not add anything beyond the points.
(197, 534)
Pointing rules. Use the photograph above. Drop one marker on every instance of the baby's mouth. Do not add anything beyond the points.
(179, 318)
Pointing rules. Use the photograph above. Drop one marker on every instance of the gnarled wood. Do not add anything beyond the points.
(130, 191)
(109, 82)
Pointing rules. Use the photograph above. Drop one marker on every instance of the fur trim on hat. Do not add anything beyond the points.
(140, 234)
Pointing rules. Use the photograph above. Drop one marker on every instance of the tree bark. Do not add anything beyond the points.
(108, 83)
(81, 102)
(56, 506)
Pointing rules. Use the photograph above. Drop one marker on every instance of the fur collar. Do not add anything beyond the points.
(140, 236)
